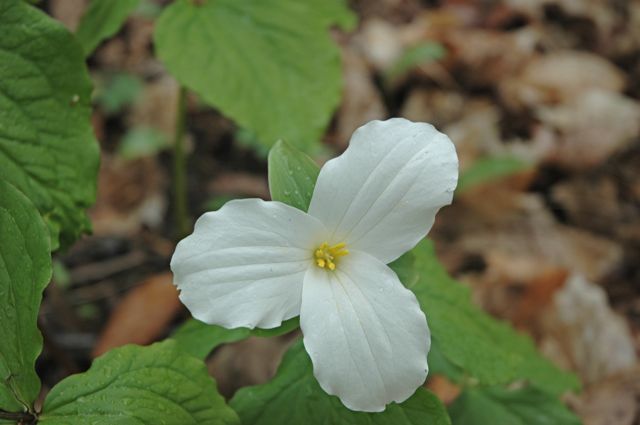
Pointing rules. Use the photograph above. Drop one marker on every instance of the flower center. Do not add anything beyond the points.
(326, 256)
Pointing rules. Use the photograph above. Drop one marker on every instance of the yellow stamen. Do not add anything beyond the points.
(327, 256)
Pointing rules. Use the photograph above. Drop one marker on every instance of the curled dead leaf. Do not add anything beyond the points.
(142, 315)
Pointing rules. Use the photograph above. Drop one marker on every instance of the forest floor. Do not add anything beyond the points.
(542, 100)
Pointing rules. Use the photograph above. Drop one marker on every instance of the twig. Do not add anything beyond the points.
(22, 418)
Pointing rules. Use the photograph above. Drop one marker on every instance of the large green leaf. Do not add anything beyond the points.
(487, 349)
(102, 19)
(25, 269)
(292, 176)
(294, 397)
(47, 146)
(200, 339)
(159, 384)
(270, 65)
(496, 405)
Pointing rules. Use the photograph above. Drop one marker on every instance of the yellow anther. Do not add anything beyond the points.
(326, 255)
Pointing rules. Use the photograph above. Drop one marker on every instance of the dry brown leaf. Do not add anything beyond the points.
(250, 362)
(605, 202)
(380, 42)
(435, 106)
(594, 256)
(131, 194)
(608, 27)
(538, 294)
(583, 332)
(506, 244)
(446, 390)
(591, 127)
(479, 55)
(613, 401)
(560, 77)
(495, 220)
(142, 315)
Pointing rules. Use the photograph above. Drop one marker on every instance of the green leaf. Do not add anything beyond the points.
(247, 138)
(414, 56)
(335, 12)
(158, 384)
(102, 19)
(439, 364)
(47, 147)
(294, 397)
(292, 176)
(487, 349)
(405, 268)
(491, 168)
(200, 339)
(118, 91)
(149, 9)
(524, 406)
(140, 142)
(25, 269)
(270, 65)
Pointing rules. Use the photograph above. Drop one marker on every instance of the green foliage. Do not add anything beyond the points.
(294, 397)
(496, 405)
(415, 56)
(334, 12)
(248, 138)
(102, 19)
(61, 275)
(486, 349)
(47, 147)
(270, 65)
(120, 90)
(490, 168)
(25, 270)
(405, 268)
(148, 9)
(217, 202)
(159, 384)
(200, 339)
(142, 141)
(292, 176)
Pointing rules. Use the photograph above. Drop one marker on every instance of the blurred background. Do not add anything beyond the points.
(541, 99)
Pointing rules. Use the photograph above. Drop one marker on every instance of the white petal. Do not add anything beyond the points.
(381, 196)
(244, 264)
(365, 333)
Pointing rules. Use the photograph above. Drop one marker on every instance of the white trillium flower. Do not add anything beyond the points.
(255, 263)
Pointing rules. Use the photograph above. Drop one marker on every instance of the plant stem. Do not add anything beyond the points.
(179, 169)
(19, 417)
